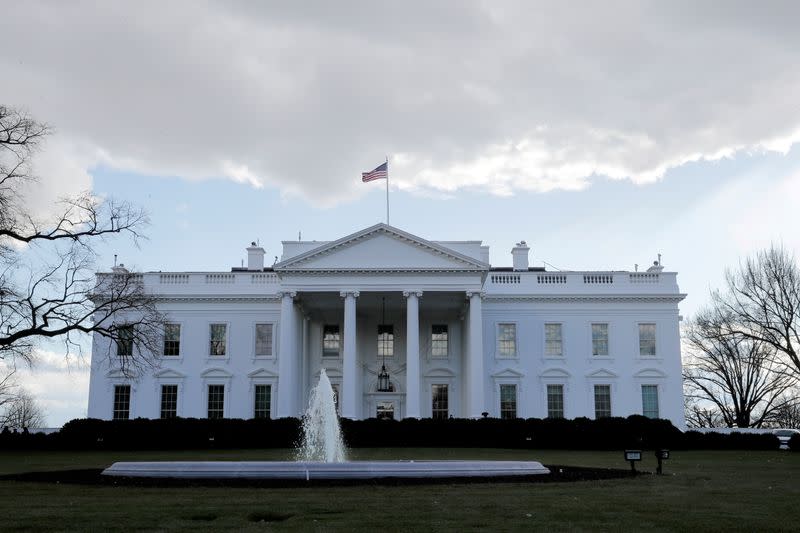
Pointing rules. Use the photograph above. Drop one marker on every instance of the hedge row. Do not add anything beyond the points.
(578, 434)
(794, 443)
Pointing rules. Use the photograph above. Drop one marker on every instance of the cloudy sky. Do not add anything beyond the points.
(600, 133)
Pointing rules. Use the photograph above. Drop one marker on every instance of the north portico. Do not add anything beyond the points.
(384, 289)
(404, 327)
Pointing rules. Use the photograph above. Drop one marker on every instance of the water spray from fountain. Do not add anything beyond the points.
(322, 435)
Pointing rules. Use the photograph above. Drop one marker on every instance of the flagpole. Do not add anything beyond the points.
(387, 190)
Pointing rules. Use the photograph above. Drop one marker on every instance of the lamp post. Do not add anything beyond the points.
(661, 455)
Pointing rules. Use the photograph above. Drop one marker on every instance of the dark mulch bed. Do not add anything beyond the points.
(558, 474)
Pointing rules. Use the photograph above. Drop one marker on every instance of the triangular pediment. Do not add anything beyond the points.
(261, 373)
(602, 374)
(381, 248)
(508, 373)
(169, 373)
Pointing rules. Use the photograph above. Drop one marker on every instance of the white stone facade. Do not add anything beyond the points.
(460, 337)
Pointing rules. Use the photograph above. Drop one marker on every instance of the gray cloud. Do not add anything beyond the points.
(494, 96)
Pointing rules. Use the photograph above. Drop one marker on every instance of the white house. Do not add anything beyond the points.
(404, 327)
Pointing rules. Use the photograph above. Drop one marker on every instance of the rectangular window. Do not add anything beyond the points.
(125, 340)
(507, 340)
(218, 333)
(216, 401)
(508, 401)
(555, 401)
(439, 341)
(385, 340)
(263, 395)
(331, 340)
(602, 401)
(122, 402)
(647, 339)
(650, 401)
(172, 340)
(599, 339)
(384, 411)
(552, 340)
(439, 407)
(169, 401)
(263, 340)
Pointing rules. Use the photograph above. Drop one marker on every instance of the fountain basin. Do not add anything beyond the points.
(309, 470)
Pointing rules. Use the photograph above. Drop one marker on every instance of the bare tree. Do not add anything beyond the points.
(734, 373)
(788, 414)
(763, 295)
(23, 412)
(700, 414)
(47, 285)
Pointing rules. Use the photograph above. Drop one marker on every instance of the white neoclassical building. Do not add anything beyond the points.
(404, 327)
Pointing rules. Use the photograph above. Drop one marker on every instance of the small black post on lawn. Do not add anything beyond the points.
(632, 456)
(661, 455)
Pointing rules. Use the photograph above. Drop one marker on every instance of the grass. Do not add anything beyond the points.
(705, 491)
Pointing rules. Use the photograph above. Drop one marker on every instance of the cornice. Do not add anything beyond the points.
(378, 271)
(580, 298)
(221, 298)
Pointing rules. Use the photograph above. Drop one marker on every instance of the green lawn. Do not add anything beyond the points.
(701, 491)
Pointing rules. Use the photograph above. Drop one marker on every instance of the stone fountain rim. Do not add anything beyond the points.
(309, 470)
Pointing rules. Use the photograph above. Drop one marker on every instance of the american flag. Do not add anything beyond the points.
(381, 172)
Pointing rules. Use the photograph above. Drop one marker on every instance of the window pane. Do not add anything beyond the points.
(439, 341)
(331, 340)
(172, 339)
(169, 401)
(385, 340)
(599, 339)
(602, 401)
(263, 396)
(218, 332)
(125, 340)
(507, 340)
(385, 410)
(552, 336)
(439, 407)
(647, 339)
(555, 401)
(650, 401)
(508, 401)
(263, 339)
(122, 402)
(216, 401)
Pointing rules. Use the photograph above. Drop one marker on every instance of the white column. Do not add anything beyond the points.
(287, 379)
(475, 378)
(412, 353)
(305, 363)
(349, 392)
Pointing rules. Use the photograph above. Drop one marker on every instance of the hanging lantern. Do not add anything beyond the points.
(383, 380)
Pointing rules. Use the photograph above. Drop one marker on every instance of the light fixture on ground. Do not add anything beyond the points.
(632, 456)
(661, 455)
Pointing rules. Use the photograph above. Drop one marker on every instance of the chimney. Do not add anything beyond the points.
(520, 256)
(255, 257)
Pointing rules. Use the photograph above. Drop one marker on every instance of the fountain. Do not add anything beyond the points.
(322, 435)
(321, 455)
